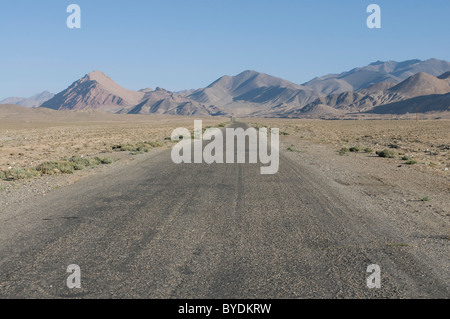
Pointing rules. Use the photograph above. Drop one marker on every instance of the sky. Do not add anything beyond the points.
(188, 44)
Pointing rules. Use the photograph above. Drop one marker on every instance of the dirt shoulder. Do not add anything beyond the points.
(395, 183)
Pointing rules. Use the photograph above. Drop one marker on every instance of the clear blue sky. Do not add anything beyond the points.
(190, 43)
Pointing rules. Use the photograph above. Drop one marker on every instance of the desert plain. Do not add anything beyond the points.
(420, 147)
(401, 200)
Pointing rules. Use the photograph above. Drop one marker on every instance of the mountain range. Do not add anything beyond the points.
(377, 72)
(33, 101)
(426, 86)
(381, 87)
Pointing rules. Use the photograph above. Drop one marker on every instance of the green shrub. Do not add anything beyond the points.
(292, 149)
(355, 149)
(155, 144)
(80, 163)
(78, 167)
(103, 160)
(142, 149)
(409, 160)
(368, 150)
(47, 168)
(386, 153)
(50, 168)
(343, 151)
(54, 167)
(18, 173)
(128, 148)
(24, 173)
(123, 148)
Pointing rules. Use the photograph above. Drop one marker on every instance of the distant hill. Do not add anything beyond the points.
(227, 88)
(314, 111)
(94, 91)
(33, 101)
(395, 97)
(250, 92)
(97, 91)
(161, 101)
(346, 101)
(364, 77)
(421, 84)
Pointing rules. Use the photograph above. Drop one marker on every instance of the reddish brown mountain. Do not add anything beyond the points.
(94, 91)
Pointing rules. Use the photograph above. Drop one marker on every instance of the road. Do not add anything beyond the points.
(160, 230)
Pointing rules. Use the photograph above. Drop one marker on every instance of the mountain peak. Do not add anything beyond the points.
(422, 75)
(421, 84)
(377, 62)
(98, 76)
(146, 90)
(420, 78)
(249, 73)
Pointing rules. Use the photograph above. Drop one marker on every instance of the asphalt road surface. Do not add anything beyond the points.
(160, 230)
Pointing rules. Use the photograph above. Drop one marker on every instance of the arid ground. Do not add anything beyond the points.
(425, 141)
(145, 227)
(30, 137)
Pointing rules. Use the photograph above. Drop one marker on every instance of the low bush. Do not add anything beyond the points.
(355, 149)
(104, 160)
(142, 147)
(386, 154)
(155, 144)
(292, 149)
(80, 163)
(18, 173)
(50, 168)
(54, 167)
